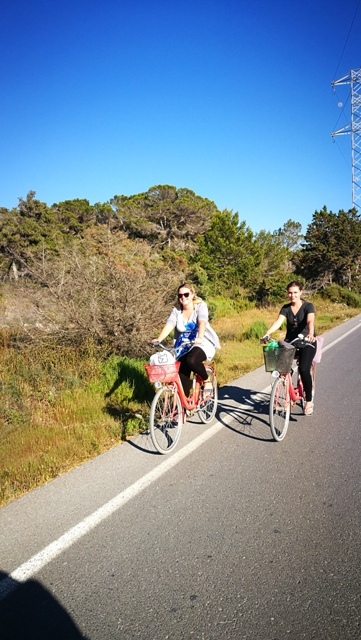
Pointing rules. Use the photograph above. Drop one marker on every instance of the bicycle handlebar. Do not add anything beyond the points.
(160, 344)
(301, 340)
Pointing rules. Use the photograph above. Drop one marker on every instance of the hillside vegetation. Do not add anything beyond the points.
(85, 287)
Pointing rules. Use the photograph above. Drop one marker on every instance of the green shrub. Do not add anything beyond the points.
(124, 379)
(255, 331)
(336, 293)
(220, 307)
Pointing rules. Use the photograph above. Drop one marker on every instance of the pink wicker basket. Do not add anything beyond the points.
(162, 372)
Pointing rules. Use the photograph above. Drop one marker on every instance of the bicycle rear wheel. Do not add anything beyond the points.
(279, 408)
(208, 403)
(165, 419)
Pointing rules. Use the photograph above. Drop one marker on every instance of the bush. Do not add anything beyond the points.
(336, 293)
(220, 307)
(255, 331)
(124, 379)
(269, 293)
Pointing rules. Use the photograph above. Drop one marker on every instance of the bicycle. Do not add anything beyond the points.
(170, 405)
(287, 388)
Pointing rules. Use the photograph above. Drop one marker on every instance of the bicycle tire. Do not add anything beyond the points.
(208, 406)
(279, 408)
(165, 419)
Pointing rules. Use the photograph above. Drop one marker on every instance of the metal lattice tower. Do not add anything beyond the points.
(354, 127)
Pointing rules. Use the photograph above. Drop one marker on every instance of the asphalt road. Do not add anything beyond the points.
(231, 536)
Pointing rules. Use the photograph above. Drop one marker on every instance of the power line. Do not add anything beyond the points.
(347, 39)
(341, 152)
(342, 113)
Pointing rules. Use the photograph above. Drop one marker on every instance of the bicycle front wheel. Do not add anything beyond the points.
(208, 402)
(165, 419)
(279, 408)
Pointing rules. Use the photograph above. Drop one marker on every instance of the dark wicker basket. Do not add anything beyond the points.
(279, 359)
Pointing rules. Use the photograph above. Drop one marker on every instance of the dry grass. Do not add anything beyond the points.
(59, 408)
(239, 355)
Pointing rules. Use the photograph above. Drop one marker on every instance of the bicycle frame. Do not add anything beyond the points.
(295, 392)
(284, 394)
(188, 403)
(170, 405)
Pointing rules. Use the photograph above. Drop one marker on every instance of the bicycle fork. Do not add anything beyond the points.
(285, 398)
(170, 404)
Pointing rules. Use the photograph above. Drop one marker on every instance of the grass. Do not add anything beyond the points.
(59, 407)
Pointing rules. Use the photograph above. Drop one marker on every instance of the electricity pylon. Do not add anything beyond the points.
(354, 127)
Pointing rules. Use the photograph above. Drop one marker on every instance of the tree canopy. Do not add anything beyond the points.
(74, 269)
(331, 251)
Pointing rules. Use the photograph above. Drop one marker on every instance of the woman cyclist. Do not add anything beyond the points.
(195, 340)
(300, 317)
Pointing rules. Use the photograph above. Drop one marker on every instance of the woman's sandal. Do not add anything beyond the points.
(308, 411)
(207, 389)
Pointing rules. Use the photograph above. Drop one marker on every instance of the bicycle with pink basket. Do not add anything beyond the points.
(170, 405)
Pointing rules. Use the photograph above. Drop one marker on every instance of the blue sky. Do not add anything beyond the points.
(231, 99)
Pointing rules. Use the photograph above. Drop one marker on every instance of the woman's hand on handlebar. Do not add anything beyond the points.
(310, 338)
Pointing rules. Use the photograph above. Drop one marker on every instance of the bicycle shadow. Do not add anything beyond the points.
(249, 410)
(251, 416)
(29, 612)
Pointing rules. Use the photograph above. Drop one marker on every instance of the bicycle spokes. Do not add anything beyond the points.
(280, 408)
(208, 398)
(166, 419)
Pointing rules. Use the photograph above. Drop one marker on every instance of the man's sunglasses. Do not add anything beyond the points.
(184, 295)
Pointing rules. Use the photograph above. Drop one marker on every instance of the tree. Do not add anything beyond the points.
(331, 252)
(24, 230)
(275, 267)
(164, 216)
(74, 216)
(32, 228)
(228, 254)
(290, 234)
(105, 287)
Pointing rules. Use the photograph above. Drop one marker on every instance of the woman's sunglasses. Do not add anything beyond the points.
(184, 295)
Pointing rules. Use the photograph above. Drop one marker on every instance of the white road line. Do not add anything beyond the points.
(54, 549)
(344, 335)
(46, 555)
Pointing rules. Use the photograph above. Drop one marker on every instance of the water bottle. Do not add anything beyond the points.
(272, 345)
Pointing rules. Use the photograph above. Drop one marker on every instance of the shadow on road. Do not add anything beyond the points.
(29, 612)
(249, 411)
(247, 408)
